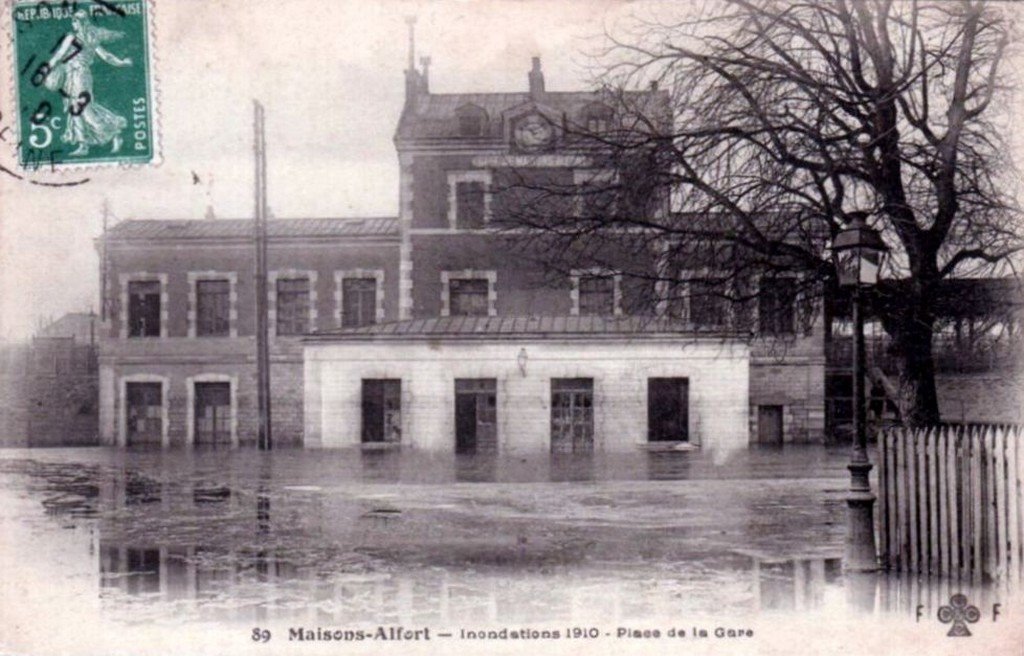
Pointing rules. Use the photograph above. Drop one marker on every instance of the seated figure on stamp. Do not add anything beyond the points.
(88, 122)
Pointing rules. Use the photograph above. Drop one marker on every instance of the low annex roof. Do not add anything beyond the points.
(533, 326)
(143, 229)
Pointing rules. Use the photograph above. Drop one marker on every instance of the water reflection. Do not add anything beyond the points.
(385, 537)
(794, 583)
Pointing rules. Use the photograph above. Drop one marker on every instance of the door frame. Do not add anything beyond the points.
(122, 415)
(782, 423)
(483, 387)
(190, 386)
(383, 408)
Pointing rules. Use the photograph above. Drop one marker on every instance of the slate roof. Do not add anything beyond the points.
(532, 326)
(242, 228)
(433, 115)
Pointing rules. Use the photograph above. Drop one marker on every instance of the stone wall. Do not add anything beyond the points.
(14, 396)
(996, 397)
(46, 405)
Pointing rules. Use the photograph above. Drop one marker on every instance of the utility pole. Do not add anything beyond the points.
(264, 439)
(103, 264)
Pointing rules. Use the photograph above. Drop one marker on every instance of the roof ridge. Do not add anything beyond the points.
(271, 219)
(334, 227)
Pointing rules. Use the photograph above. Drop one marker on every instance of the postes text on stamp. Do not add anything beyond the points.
(84, 93)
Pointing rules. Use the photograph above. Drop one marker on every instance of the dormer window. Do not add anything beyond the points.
(597, 119)
(471, 125)
(472, 120)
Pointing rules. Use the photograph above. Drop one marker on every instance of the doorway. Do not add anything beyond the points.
(144, 413)
(769, 424)
(212, 413)
(476, 410)
(572, 415)
(668, 409)
(382, 410)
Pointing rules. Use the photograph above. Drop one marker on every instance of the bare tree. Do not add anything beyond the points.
(776, 122)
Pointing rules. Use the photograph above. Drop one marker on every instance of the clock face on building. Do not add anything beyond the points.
(534, 132)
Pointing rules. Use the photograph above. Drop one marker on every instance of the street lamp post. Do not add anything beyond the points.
(858, 251)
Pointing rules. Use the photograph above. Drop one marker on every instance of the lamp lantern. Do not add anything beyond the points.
(521, 360)
(858, 251)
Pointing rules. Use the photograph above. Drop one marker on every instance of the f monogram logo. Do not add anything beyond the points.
(959, 613)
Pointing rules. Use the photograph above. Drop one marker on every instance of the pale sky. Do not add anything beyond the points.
(329, 73)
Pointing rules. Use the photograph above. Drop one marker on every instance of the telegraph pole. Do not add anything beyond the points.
(264, 439)
(103, 264)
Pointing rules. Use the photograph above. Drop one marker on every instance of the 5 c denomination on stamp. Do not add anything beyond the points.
(83, 80)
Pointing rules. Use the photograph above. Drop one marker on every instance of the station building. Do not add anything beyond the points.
(432, 329)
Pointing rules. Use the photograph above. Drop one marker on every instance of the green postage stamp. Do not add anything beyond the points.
(82, 75)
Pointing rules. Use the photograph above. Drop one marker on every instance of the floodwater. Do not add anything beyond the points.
(299, 538)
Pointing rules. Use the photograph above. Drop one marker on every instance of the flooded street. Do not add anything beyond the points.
(366, 538)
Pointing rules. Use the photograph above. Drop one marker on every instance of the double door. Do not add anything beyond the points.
(212, 413)
(144, 415)
(572, 415)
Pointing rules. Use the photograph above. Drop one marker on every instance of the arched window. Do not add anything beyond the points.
(472, 120)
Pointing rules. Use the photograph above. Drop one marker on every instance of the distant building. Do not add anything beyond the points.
(48, 387)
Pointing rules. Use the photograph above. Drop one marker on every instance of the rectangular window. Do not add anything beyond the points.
(572, 415)
(382, 410)
(468, 297)
(708, 306)
(596, 193)
(359, 302)
(776, 306)
(470, 205)
(213, 307)
(668, 409)
(597, 295)
(144, 308)
(292, 306)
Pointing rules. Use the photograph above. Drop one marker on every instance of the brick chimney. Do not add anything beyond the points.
(413, 80)
(536, 79)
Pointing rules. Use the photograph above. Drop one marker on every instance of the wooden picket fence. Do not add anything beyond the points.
(950, 502)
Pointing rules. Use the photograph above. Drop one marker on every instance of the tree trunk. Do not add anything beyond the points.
(912, 345)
